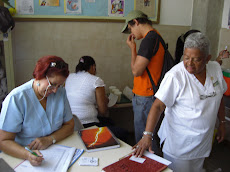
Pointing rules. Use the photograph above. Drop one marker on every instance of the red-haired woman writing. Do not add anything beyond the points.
(37, 114)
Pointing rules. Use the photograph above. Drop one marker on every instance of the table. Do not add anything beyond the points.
(121, 105)
(106, 157)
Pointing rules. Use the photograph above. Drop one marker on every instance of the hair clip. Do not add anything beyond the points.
(59, 64)
(52, 64)
(81, 60)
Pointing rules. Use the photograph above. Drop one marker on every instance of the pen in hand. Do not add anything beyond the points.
(31, 151)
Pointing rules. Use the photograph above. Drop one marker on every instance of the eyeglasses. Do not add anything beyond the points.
(53, 86)
(203, 97)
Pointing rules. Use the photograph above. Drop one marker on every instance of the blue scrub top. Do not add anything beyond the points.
(23, 114)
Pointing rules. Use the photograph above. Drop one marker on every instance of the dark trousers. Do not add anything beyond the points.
(141, 108)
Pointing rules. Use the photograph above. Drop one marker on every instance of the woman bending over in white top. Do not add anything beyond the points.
(87, 97)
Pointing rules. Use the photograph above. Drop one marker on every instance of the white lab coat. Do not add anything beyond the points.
(189, 122)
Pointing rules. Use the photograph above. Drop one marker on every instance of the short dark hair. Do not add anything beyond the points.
(84, 63)
(48, 65)
(141, 21)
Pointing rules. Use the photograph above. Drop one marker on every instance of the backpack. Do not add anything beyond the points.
(6, 20)
(167, 64)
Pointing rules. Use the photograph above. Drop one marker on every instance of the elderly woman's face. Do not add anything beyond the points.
(194, 60)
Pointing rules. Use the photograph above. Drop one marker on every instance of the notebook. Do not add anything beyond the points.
(76, 155)
(97, 139)
(126, 164)
(56, 159)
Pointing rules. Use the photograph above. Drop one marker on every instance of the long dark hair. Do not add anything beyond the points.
(84, 63)
(180, 44)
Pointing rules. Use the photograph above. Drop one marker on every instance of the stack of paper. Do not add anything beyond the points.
(56, 159)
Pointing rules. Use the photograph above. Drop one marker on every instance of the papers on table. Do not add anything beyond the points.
(136, 159)
(77, 154)
(56, 159)
(157, 158)
(88, 161)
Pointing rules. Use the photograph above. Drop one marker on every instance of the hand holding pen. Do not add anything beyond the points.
(35, 157)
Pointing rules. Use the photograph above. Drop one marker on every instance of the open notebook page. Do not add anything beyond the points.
(56, 159)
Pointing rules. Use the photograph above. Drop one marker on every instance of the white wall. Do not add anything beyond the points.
(225, 14)
(101, 40)
(176, 12)
(225, 33)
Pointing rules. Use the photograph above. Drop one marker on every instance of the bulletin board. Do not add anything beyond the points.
(91, 10)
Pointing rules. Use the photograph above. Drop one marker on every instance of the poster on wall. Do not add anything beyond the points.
(25, 6)
(54, 3)
(73, 6)
(116, 8)
(147, 6)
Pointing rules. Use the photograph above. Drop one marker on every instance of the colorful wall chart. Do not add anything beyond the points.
(100, 10)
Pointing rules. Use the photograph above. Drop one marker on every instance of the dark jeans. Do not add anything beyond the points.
(141, 108)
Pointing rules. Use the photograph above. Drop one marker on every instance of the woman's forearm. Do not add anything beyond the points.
(221, 112)
(154, 115)
(9, 146)
(65, 131)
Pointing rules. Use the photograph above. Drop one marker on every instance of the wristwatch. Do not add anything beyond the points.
(53, 139)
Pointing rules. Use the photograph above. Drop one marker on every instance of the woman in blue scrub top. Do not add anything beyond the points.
(37, 114)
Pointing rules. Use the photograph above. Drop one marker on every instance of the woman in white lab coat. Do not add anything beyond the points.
(191, 94)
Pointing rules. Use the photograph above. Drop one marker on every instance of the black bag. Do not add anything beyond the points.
(6, 20)
(167, 64)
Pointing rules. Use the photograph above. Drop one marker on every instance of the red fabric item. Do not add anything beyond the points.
(126, 165)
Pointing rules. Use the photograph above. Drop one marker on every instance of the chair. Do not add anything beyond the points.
(77, 123)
